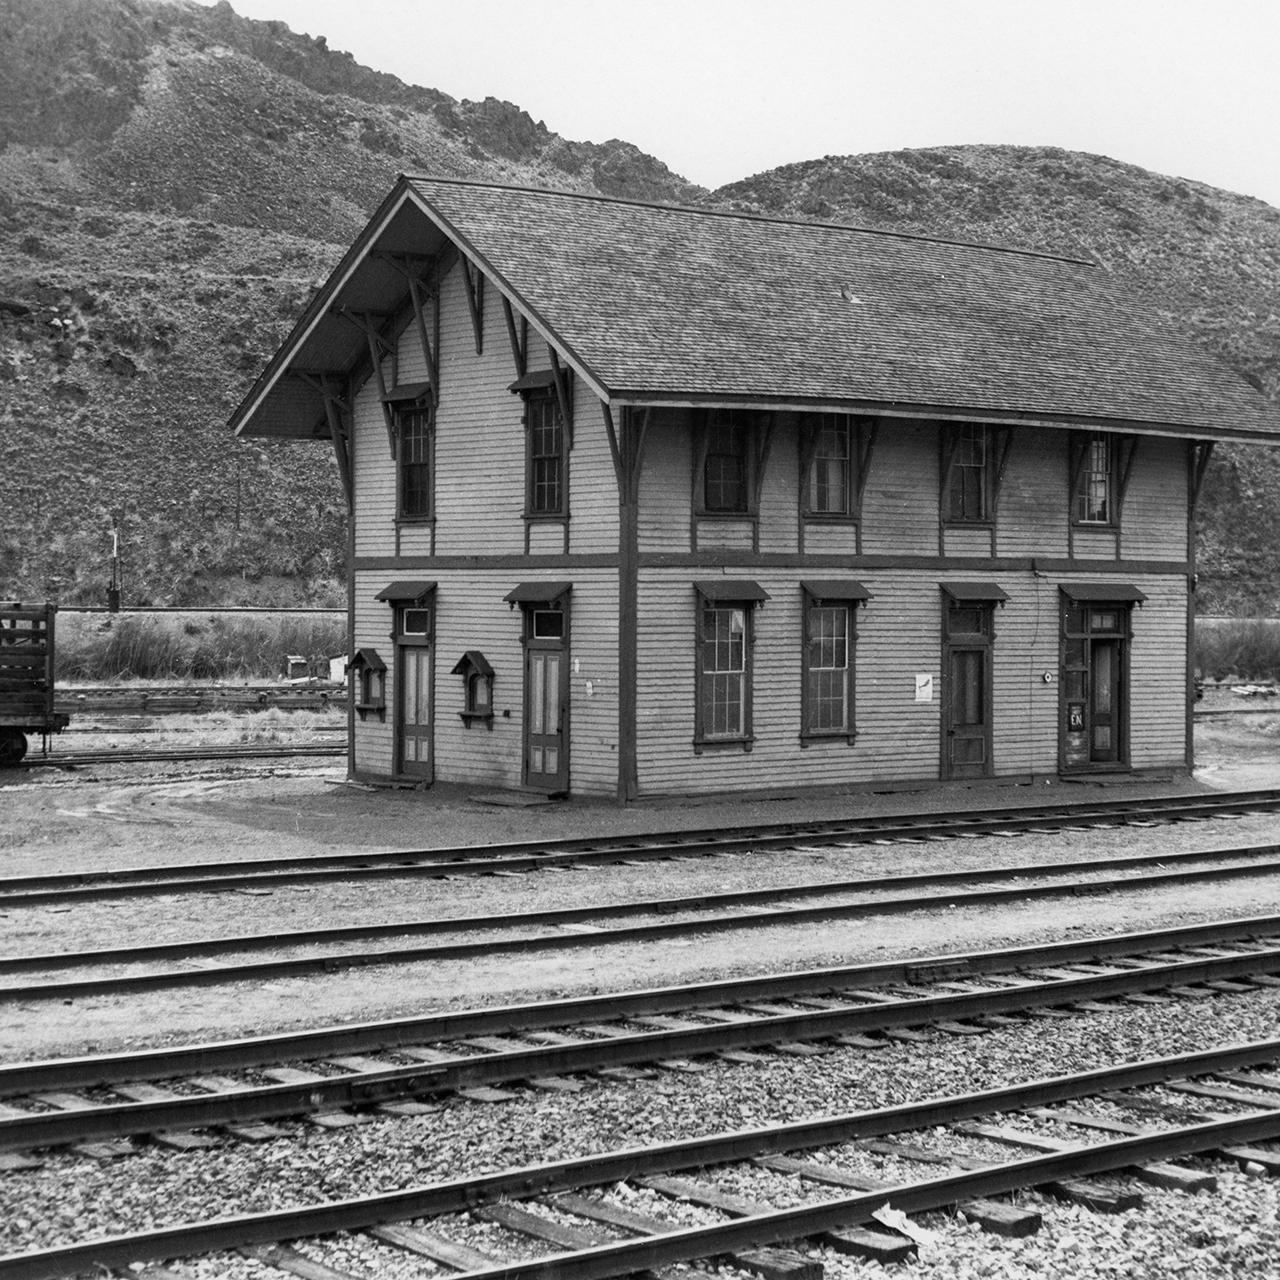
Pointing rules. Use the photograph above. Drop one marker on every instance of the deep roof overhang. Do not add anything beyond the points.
(288, 400)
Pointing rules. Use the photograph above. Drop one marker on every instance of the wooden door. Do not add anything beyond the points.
(546, 753)
(967, 719)
(414, 719)
(1105, 701)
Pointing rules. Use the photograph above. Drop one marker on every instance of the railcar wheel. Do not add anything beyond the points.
(13, 746)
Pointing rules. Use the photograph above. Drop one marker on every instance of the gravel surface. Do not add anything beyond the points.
(122, 817)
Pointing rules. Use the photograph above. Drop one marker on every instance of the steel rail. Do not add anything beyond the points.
(459, 1195)
(353, 1038)
(369, 1088)
(54, 961)
(160, 754)
(526, 855)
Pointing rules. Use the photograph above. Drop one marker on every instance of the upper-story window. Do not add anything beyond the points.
(415, 429)
(969, 475)
(1094, 500)
(831, 480)
(727, 464)
(545, 454)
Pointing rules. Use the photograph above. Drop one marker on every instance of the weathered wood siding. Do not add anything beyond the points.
(900, 629)
(1032, 510)
(1154, 517)
(480, 548)
(899, 636)
(900, 502)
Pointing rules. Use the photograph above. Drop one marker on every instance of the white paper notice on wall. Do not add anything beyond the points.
(924, 688)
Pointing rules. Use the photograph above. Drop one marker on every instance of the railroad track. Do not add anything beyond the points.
(248, 751)
(202, 877)
(169, 1092)
(563, 928)
(623, 1212)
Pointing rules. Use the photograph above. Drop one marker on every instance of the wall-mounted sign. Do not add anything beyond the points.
(924, 688)
(1075, 717)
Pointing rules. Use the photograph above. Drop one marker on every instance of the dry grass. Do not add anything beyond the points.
(103, 648)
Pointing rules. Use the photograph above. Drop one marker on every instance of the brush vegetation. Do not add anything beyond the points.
(100, 648)
(1235, 649)
(175, 180)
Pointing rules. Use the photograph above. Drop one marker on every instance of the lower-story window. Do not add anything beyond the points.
(723, 712)
(830, 638)
(828, 657)
(724, 672)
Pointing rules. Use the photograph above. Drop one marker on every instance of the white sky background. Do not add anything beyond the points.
(722, 89)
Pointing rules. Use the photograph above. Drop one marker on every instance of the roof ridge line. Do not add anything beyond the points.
(751, 217)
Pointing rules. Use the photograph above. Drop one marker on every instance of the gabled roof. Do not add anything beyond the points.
(656, 304)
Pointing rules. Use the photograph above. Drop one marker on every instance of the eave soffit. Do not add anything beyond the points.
(324, 344)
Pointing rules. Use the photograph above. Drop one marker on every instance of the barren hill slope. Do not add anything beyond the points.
(174, 180)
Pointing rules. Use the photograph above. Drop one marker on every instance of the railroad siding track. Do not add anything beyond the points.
(622, 1212)
(543, 1045)
(580, 926)
(585, 851)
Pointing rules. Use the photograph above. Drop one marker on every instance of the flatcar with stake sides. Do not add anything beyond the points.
(26, 679)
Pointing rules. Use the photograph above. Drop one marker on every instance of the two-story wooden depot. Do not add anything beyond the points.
(649, 500)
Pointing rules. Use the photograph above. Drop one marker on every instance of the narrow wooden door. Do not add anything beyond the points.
(1105, 701)
(545, 749)
(414, 748)
(967, 723)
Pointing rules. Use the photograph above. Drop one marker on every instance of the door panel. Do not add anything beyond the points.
(546, 757)
(414, 747)
(967, 726)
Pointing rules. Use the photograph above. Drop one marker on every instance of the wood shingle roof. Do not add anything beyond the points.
(657, 304)
(667, 302)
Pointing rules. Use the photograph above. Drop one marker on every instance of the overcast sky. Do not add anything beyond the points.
(721, 89)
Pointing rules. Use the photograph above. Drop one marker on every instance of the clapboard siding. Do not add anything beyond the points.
(899, 637)
(375, 474)
(472, 614)
(1032, 511)
(959, 541)
(374, 741)
(1154, 518)
(480, 484)
(666, 482)
(900, 502)
(830, 539)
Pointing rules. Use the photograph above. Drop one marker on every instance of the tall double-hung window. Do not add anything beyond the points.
(724, 660)
(546, 455)
(547, 395)
(1094, 500)
(830, 637)
(831, 464)
(415, 428)
(970, 474)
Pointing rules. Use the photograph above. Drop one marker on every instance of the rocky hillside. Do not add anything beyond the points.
(174, 179)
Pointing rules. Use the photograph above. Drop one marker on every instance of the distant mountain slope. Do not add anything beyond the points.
(174, 179)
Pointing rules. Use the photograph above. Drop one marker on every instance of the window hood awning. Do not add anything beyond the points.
(407, 393)
(974, 592)
(730, 589)
(835, 589)
(410, 592)
(1106, 592)
(538, 592)
(535, 380)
